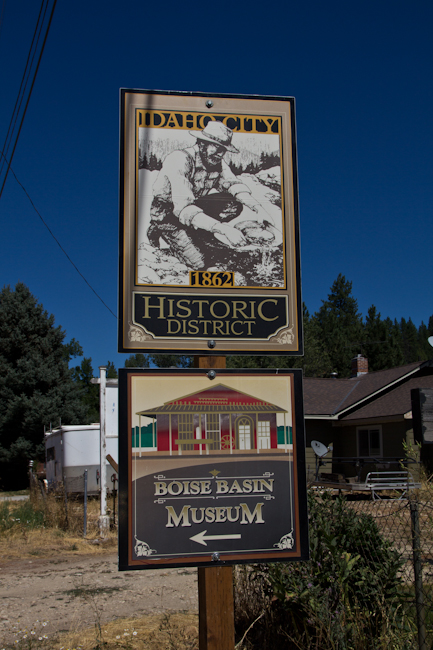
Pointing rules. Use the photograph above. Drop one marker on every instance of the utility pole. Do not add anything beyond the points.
(104, 520)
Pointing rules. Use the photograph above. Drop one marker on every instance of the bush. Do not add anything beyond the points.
(347, 596)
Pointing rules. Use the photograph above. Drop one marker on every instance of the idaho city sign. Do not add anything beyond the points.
(209, 232)
(215, 468)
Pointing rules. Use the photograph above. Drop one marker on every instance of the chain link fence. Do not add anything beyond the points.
(407, 524)
(367, 585)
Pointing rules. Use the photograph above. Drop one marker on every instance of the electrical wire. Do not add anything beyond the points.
(57, 241)
(9, 162)
(21, 90)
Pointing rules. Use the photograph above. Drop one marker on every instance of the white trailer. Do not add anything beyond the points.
(69, 450)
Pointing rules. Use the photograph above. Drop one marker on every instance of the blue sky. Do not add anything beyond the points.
(362, 77)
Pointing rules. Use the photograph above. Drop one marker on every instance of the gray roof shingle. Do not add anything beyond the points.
(329, 397)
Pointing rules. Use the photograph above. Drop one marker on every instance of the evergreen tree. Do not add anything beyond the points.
(138, 360)
(382, 342)
(172, 360)
(83, 375)
(409, 340)
(36, 385)
(315, 362)
(424, 347)
(340, 325)
(111, 371)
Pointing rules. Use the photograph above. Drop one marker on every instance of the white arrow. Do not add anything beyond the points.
(200, 537)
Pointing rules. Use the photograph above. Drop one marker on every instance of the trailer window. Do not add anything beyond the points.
(51, 453)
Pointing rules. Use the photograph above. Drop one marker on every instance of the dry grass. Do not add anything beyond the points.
(177, 631)
(40, 528)
(44, 543)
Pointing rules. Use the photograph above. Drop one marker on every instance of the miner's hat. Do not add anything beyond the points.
(217, 133)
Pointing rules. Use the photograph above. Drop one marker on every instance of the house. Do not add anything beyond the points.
(367, 417)
(215, 419)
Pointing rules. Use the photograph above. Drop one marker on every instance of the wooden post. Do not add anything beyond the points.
(215, 584)
(216, 608)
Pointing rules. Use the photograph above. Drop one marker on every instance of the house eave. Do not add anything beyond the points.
(380, 390)
(383, 419)
(320, 417)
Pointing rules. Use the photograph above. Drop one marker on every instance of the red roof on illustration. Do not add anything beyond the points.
(218, 398)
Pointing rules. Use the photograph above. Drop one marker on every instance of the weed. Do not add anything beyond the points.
(21, 514)
(85, 592)
(33, 638)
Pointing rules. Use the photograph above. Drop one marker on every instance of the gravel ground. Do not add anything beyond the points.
(69, 593)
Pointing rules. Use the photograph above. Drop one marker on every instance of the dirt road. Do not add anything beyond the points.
(68, 593)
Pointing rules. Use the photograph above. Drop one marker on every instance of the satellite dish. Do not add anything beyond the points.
(430, 340)
(319, 448)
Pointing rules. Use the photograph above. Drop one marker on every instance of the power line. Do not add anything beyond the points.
(57, 241)
(21, 92)
(28, 97)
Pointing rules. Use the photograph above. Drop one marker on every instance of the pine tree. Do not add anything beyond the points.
(83, 375)
(382, 342)
(138, 360)
(315, 362)
(425, 350)
(409, 338)
(36, 385)
(340, 325)
(171, 360)
(111, 371)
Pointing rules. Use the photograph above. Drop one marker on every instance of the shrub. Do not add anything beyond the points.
(347, 596)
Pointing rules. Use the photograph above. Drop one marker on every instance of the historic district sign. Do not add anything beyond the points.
(209, 232)
(211, 469)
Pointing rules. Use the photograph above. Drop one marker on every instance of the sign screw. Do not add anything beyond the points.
(215, 557)
(209, 103)
(211, 344)
(211, 374)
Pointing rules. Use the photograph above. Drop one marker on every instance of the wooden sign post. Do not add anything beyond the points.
(210, 273)
(215, 584)
(212, 475)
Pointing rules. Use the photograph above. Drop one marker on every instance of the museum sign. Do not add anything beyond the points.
(214, 468)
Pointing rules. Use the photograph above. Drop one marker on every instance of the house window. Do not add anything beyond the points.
(213, 429)
(369, 441)
(186, 429)
(264, 435)
(51, 453)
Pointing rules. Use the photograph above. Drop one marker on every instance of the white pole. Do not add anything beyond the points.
(104, 520)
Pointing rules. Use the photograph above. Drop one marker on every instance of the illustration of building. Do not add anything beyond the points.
(215, 419)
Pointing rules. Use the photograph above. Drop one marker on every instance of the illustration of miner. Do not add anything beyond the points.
(197, 202)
